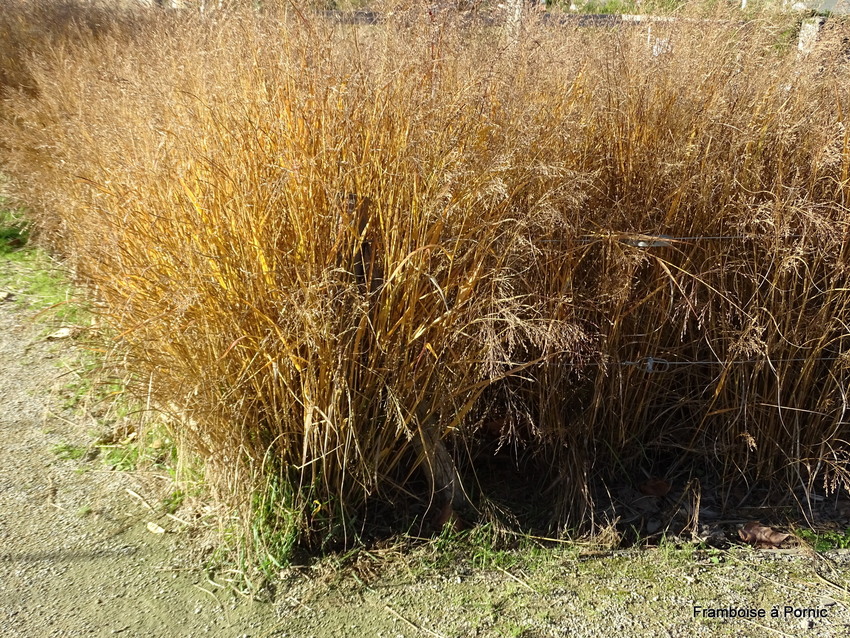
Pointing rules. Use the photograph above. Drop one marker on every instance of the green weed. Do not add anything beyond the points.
(153, 449)
(69, 452)
(173, 501)
(35, 280)
(14, 230)
(825, 540)
(274, 525)
(613, 7)
(123, 458)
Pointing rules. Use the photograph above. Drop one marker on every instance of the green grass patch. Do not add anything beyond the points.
(123, 458)
(69, 452)
(148, 446)
(173, 501)
(826, 540)
(14, 230)
(31, 276)
(612, 7)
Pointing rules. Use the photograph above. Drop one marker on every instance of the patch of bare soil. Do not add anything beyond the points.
(78, 557)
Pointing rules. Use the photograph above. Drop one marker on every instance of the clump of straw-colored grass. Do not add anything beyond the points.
(338, 250)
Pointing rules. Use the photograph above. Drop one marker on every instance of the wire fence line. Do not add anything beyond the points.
(641, 240)
(658, 364)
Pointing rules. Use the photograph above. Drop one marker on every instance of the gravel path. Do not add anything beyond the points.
(76, 556)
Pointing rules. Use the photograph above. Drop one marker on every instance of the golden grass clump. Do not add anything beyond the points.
(31, 28)
(347, 255)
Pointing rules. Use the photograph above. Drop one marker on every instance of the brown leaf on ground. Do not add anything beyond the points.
(760, 535)
(655, 487)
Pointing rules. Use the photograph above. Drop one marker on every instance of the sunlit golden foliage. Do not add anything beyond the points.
(345, 252)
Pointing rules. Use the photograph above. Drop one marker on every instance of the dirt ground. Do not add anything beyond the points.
(78, 556)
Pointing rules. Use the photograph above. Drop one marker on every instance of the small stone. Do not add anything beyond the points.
(62, 333)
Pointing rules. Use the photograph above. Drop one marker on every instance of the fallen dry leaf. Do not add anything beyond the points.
(760, 535)
(655, 487)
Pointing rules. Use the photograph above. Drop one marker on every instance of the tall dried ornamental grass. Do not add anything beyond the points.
(30, 28)
(349, 255)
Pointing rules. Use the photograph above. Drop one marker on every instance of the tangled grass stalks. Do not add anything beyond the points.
(31, 28)
(351, 255)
